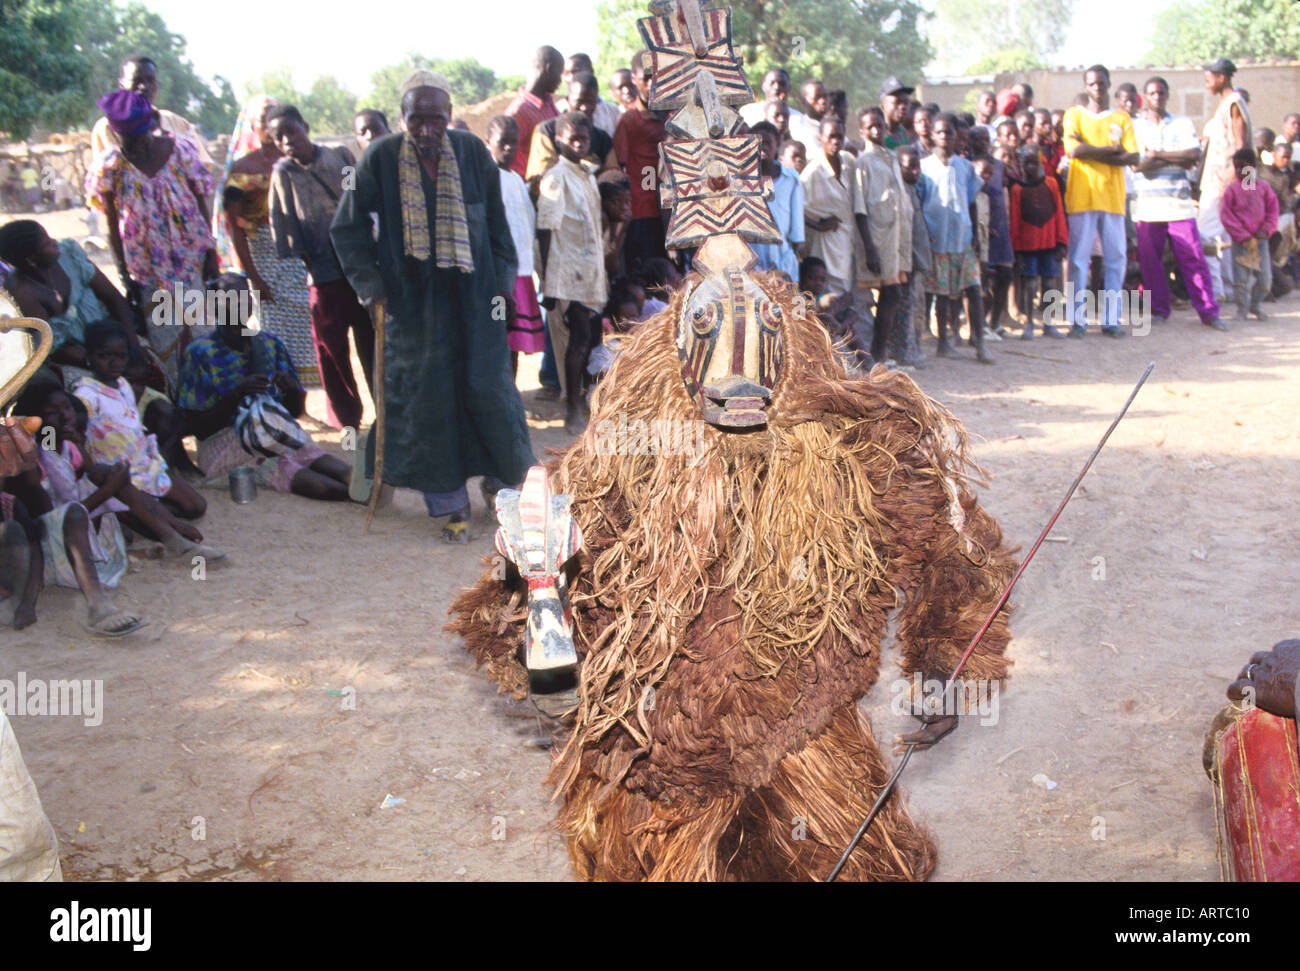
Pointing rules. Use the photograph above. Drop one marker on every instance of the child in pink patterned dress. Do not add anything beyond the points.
(115, 432)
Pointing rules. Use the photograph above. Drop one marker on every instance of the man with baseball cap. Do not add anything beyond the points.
(895, 96)
(1226, 132)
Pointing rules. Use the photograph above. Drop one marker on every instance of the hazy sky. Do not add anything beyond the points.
(244, 38)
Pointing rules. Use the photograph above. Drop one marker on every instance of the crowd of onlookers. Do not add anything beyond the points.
(240, 286)
(1024, 219)
(1015, 219)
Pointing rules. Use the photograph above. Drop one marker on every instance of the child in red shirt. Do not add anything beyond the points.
(1038, 236)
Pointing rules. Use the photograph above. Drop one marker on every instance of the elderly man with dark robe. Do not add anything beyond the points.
(444, 265)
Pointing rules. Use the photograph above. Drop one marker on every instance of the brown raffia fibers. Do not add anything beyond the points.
(729, 615)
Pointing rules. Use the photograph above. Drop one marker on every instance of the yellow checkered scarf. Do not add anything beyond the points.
(450, 230)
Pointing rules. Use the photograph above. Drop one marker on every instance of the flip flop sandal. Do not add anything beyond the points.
(117, 624)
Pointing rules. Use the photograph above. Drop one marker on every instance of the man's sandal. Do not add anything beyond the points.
(456, 531)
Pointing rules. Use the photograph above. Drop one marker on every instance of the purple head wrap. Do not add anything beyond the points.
(128, 113)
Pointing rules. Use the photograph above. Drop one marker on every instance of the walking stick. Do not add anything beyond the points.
(1006, 594)
(377, 430)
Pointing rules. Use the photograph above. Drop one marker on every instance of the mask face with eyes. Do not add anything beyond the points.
(729, 338)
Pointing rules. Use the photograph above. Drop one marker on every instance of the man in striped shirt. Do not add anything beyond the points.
(534, 104)
(1163, 208)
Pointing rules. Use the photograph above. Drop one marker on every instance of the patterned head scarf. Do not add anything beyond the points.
(243, 141)
(128, 113)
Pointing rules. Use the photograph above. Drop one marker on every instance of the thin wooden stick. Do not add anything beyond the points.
(377, 430)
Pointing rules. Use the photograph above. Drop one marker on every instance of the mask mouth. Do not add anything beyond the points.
(736, 402)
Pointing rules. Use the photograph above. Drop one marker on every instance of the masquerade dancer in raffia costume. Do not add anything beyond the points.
(728, 604)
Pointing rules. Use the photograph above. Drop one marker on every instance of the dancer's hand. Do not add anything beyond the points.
(935, 728)
(1271, 678)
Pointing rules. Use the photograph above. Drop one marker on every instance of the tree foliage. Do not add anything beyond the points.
(1243, 30)
(849, 44)
(471, 82)
(59, 56)
(969, 32)
(329, 106)
(42, 74)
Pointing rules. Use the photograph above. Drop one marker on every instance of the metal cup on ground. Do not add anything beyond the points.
(243, 485)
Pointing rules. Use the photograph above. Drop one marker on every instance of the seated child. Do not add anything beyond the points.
(115, 432)
(60, 547)
(68, 475)
(623, 311)
(68, 543)
(836, 312)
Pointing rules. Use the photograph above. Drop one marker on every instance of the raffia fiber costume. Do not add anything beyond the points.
(751, 592)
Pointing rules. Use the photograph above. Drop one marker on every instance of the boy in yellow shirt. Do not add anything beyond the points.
(1099, 141)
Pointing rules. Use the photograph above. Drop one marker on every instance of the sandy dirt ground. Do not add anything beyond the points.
(254, 730)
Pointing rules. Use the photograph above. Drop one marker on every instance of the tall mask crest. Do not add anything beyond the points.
(729, 332)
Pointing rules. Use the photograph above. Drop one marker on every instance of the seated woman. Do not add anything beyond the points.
(217, 374)
(60, 544)
(55, 281)
(68, 475)
(115, 432)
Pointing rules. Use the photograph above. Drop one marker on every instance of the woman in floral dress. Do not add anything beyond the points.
(154, 191)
